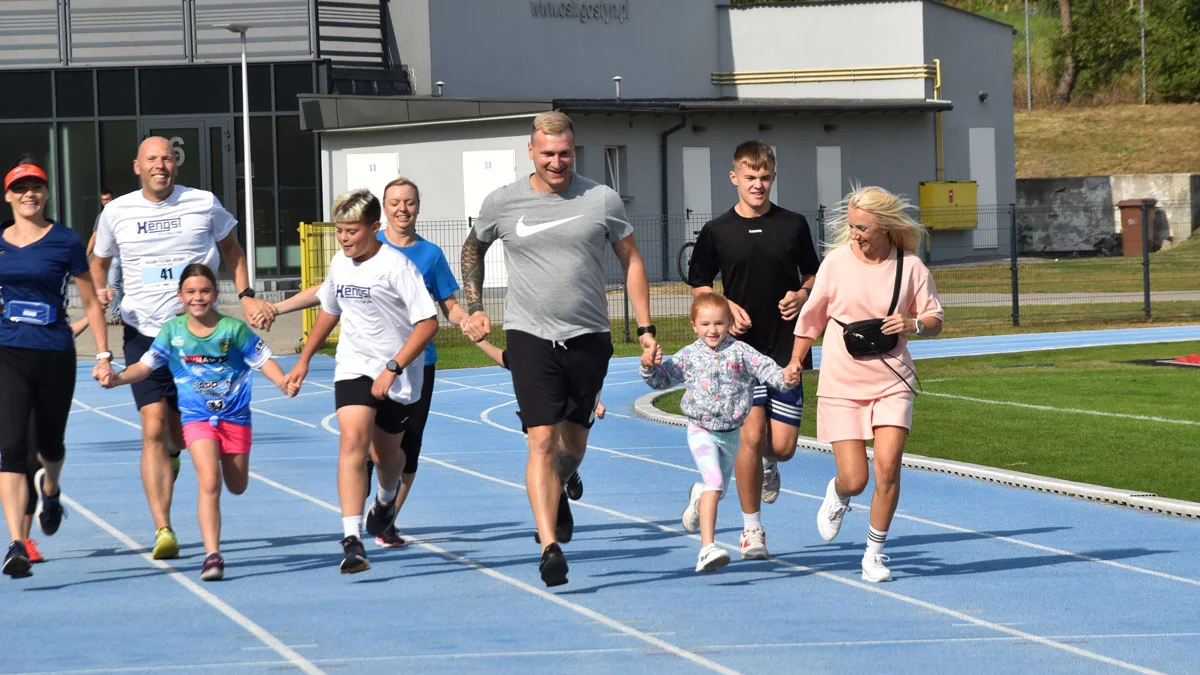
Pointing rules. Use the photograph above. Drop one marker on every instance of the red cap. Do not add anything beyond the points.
(24, 171)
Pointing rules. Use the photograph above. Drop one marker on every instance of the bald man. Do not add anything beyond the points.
(156, 232)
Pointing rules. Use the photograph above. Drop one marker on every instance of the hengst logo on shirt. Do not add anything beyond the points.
(348, 292)
(166, 226)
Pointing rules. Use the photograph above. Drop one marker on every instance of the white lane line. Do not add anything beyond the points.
(260, 411)
(521, 585)
(454, 417)
(1075, 411)
(868, 587)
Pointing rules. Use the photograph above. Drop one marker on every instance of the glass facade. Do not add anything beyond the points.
(84, 124)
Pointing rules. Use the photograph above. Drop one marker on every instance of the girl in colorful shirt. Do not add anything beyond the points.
(720, 374)
(210, 356)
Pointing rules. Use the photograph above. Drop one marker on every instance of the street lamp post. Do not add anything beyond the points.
(248, 188)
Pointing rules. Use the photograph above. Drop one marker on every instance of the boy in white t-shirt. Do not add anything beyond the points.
(387, 318)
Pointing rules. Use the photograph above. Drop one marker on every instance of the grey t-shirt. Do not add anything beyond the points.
(554, 251)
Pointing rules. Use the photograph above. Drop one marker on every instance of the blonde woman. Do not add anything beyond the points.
(860, 398)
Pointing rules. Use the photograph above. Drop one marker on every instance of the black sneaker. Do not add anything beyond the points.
(390, 538)
(49, 510)
(354, 556)
(575, 487)
(379, 517)
(564, 525)
(553, 566)
(16, 562)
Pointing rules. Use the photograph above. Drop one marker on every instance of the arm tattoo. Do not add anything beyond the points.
(473, 251)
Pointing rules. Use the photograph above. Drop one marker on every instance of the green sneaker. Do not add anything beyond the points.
(165, 544)
(175, 467)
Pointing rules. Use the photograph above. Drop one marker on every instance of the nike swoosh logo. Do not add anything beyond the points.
(524, 230)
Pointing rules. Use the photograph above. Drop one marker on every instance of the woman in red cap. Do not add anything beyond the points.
(37, 349)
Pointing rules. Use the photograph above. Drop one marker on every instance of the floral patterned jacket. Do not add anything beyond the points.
(720, 382)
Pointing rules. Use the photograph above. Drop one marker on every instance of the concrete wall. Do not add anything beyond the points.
(840, 35)
(1064, 215)
(410, 31)
(499, 48)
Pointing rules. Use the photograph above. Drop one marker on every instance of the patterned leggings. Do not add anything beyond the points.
(714, 452)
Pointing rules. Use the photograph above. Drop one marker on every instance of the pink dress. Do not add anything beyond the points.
(852, 290)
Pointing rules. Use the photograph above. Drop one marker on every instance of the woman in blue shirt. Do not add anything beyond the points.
(37, 349)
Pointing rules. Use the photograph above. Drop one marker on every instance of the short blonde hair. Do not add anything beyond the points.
(890, 211)
(357, 206)
(401, 182)
(552, 124)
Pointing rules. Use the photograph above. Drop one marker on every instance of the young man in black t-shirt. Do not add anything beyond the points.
(767, 263)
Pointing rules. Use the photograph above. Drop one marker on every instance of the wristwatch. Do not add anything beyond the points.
(248, 293)
(920, 328)
(104, 355)
(642, 330)
(394, 367)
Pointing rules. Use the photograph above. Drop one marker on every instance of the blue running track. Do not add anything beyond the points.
(989, 579)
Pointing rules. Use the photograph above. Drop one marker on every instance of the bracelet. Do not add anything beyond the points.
(104, 355)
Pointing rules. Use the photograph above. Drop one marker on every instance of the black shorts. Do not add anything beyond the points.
(558, 380)
(418, 415)
(160, 385)
(390, 416)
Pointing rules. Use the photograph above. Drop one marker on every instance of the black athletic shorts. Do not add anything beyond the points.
(558, 380)
(390, 416)
(160, 385)
(418, 415)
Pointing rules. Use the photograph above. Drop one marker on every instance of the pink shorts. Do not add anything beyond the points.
(233, 439)
(842, 419)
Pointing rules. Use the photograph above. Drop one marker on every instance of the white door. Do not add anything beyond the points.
(697, 199)
(829, 183)
(484, 171)
(983, 172)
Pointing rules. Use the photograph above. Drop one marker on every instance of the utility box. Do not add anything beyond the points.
(949, 205)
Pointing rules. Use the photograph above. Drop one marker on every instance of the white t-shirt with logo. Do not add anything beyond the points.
(155, 241)
(379, 301)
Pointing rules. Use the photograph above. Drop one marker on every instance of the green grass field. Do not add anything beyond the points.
(1160, 455)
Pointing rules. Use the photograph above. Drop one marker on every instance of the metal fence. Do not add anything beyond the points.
(995, 268)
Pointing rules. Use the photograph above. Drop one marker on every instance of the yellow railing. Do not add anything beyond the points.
(917, 72)
(317, 246)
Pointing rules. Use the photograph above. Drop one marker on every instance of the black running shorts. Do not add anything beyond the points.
(160, 385)
(418, 415)
(390, 416)
(558, 380)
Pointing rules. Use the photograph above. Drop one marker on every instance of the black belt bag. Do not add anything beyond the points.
(866, 337)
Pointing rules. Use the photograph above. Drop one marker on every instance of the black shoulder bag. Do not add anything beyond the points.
(866, 337)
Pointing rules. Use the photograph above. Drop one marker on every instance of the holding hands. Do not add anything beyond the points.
(294, 378)
(477, 326)
(259, 313)
(791, 374)
(652, 355)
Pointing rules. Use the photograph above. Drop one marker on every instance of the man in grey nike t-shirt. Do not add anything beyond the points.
(555, 226)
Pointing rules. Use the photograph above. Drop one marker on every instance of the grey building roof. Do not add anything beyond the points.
(327, 112)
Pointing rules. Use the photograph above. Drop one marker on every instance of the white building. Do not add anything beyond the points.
(846, 92)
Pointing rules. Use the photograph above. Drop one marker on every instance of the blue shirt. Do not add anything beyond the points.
(212, 373)
(439, 280)
(33, 287)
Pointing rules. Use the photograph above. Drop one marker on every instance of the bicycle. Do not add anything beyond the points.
(684, 257)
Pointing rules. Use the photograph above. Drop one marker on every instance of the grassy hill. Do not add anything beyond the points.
(1105, 140)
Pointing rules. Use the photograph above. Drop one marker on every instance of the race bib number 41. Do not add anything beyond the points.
(163, 271)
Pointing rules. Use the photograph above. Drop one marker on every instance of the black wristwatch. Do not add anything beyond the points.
(642, 330)
(394, 367)
(248, 293)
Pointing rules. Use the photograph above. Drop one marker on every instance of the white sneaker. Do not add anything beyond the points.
(829, 517)
(691, 515)
(712, 558)
(873, 568)
(770, 491)
(754, 545)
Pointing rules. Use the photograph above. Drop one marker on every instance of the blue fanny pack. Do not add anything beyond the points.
(26, 311)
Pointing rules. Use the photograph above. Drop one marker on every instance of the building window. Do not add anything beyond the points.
(34, 98)
(117, 93)
(74, 93)
(80, 202)
(614, 167)
(187, 91)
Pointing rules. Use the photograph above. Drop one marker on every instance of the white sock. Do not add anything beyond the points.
(351, 526)
(386, 496)
(751, 521)
(875, 541)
